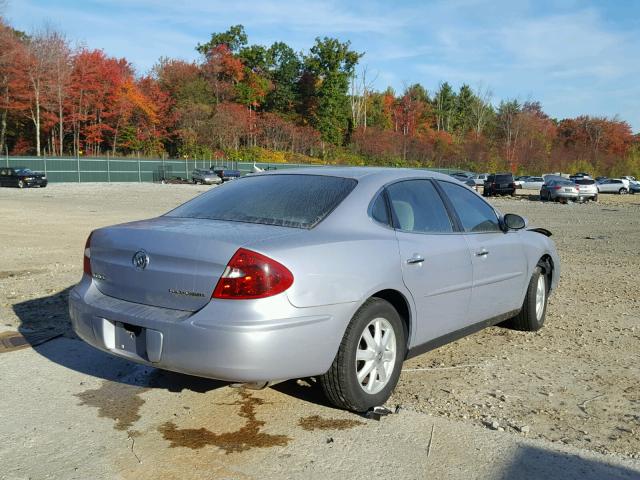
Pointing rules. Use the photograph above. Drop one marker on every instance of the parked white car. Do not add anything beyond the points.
(533, 183)
(587, 189)
(614, 185)
(480, 178)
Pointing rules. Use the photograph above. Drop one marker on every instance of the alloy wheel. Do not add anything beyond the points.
(541, 292)
(376, 355)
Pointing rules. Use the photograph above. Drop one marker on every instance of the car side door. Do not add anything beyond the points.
(610, 186)
(435, 260)
(499, 261)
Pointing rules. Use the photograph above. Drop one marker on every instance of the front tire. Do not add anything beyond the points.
(622, 191)
(20, 184)
(534, 309)
(369, 360)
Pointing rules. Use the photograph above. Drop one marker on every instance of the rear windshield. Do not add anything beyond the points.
(291, 200)
(504, 178)
(584, 181)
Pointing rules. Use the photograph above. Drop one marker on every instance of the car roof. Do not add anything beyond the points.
(358, 173)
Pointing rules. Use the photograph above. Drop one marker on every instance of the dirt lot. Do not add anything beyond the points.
(575, 383)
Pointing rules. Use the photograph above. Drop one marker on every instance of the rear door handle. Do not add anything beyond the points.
(415, 259)
(482, 253)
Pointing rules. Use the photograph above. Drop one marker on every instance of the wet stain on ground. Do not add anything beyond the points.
(316, 422)
(247, 437)
(11, 341)
(117, 401)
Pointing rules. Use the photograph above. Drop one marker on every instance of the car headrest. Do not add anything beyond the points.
(404, 212)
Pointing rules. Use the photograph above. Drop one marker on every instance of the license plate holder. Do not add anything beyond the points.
(131, 339)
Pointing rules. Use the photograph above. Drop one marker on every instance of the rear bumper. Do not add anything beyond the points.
(239, 341)
(567, 195)
(588, 194)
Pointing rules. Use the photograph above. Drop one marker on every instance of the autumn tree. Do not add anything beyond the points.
(13, 82)
(444, 101)
(39, 67)
(233, 39)
(481, 110)
(285, 69)
(331, 64)
(508, 121)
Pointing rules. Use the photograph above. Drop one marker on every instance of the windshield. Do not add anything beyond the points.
(23, 171)
(291, 200)
(585, 181)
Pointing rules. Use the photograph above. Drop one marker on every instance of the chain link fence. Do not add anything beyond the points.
(106, 169)
(88, 169)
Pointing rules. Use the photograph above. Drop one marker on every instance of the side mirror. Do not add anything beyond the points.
(514, 222)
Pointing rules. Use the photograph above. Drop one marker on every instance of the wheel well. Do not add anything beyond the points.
(546, 263)
(399, 302)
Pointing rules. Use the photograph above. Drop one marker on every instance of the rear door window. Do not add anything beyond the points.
(475, 214)
(290, 200)
(417, 207)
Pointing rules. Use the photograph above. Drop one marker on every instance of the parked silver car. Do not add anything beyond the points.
(533, 183)
(205, 176)
(559, 190)
(614, 185)
(337, 273)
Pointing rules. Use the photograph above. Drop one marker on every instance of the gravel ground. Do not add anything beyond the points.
(574, 383)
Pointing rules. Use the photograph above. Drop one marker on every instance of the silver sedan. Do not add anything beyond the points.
(559, 190)
(337, 273)
(205, 177)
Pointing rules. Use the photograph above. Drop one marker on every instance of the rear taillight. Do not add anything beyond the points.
(252, 275)
(557, 187)
(87, 255)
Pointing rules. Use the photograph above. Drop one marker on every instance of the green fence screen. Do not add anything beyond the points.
(86, 169)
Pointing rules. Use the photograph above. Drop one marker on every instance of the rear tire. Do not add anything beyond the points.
(622, 191)
(595, 198)
(378, 377)
(534, 309)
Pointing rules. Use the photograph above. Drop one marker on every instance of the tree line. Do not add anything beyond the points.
(271, 103)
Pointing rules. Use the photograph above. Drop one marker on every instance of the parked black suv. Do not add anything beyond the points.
(499, 184)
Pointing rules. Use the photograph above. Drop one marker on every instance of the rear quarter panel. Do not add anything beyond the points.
(337, 267)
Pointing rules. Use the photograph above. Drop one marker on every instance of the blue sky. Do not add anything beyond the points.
(575, 57)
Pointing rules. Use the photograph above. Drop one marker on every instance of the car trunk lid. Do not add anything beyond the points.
(167, 261)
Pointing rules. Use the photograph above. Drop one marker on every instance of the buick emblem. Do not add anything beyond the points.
(140, 260)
